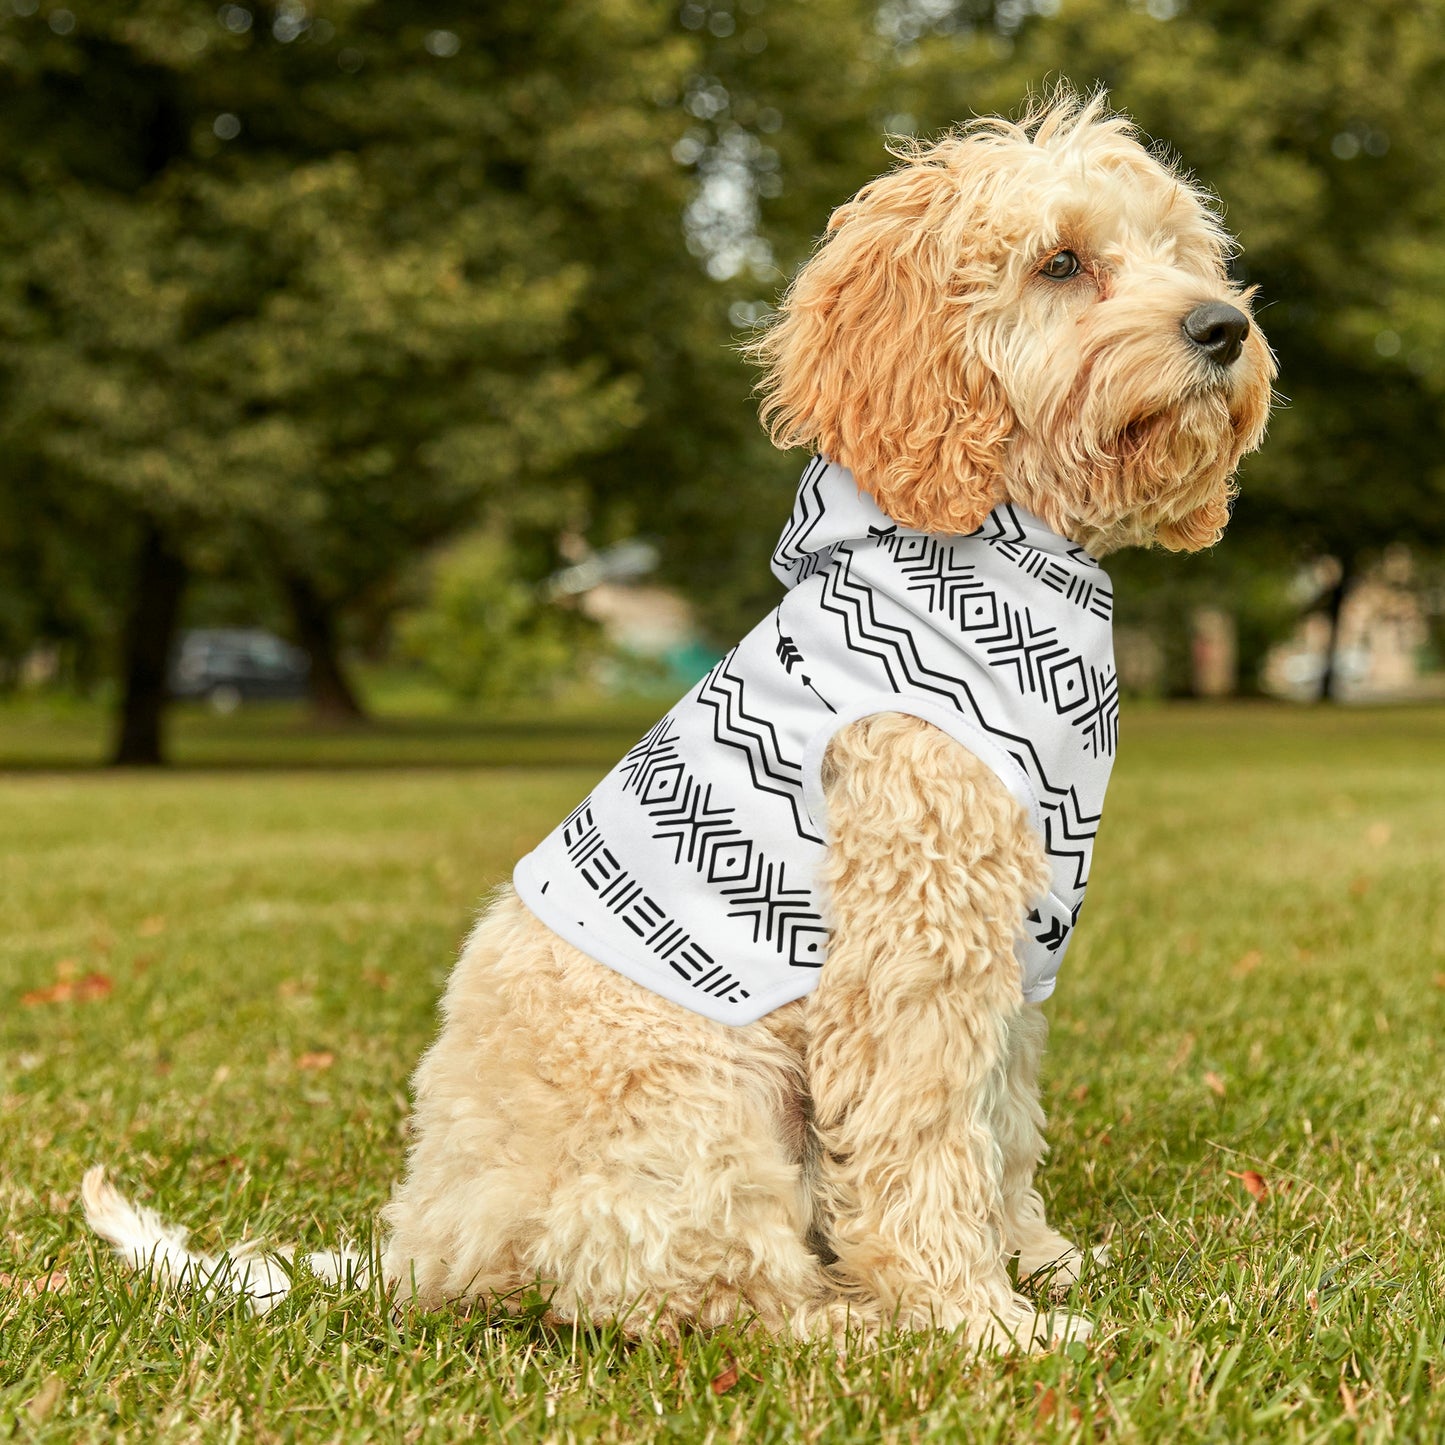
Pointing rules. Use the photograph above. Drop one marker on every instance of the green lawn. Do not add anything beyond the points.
(231, 969)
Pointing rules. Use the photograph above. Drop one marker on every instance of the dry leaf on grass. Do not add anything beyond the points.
(1248, 963)
(1046, 1407)
(724, 1382)
(1214, 1083)
(320, 1059)
(1439, 980)
(1254, 1183)
(66, 990)
(56, 1282)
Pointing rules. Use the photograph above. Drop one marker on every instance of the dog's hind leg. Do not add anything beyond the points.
(930, 871)
(577, 1135)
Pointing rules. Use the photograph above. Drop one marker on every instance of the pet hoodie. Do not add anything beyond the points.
(692, 867)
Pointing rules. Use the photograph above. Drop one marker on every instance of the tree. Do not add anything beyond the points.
(307, 286)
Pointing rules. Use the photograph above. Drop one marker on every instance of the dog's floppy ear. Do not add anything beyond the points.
(872, 361)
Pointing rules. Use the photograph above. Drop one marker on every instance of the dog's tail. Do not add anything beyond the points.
(147, 1243)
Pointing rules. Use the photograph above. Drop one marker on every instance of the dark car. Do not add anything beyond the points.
(231, 665)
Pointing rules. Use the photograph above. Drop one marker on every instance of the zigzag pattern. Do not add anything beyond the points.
(1069, 833)
(897, 652)
(791, 553)
(757, 739)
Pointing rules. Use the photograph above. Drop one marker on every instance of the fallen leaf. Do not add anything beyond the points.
(724, 1382)
(320, 1059)
(1080, 1094)
(1248, 963)
(82, 990)
(1254, 1182)
(1046, 1408)
(1377, 834)
(1439, 980)
(56, 1282)
(151, 927)
(1214, 1083)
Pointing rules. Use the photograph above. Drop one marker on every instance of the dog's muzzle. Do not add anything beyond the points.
(1218, 330)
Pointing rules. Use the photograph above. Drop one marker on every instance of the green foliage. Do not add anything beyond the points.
(316, 287)
(487, 634)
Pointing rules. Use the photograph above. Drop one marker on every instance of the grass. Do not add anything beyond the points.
(230, 971)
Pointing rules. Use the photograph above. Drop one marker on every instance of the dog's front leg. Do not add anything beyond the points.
(930, 871)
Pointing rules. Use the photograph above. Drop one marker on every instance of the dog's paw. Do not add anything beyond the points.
(1023, 1326)
(1057, 1268)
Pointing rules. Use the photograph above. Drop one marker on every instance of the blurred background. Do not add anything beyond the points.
(364, 361)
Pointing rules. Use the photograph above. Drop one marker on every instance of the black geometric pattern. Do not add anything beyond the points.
(781, 915)
(1006, 534)
(895, 649)
(756, 738)
(622, 895)
(687, 819)
(656, 749)
(1068, 832)
(1099, 719)
(952, 587)
(790, 655)
(757, 886)
(792, 554)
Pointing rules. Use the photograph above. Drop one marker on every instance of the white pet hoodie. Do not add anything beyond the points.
(692, 866)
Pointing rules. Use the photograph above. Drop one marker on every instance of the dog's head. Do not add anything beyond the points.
(1035, 312)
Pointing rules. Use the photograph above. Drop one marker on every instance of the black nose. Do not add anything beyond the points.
(1218, 331)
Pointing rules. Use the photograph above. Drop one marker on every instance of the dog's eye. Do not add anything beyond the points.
(1060, 266)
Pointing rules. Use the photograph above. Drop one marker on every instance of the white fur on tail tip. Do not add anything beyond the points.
(146, 1242)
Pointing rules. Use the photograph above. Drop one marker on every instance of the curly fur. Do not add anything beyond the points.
(865, 1156)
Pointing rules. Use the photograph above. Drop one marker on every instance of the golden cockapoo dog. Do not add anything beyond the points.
(1036, 313)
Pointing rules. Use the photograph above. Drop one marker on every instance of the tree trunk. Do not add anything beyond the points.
(333, 699)
(1329, 678)
(150, 630)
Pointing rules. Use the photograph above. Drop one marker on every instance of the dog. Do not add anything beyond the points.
(755, 1035)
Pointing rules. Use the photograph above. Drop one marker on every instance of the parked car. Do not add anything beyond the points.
(230, 665)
